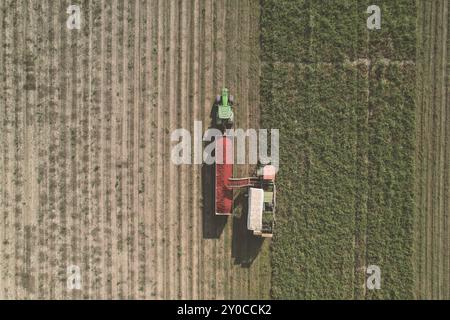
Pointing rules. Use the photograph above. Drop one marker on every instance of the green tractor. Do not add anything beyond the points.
(224, 117)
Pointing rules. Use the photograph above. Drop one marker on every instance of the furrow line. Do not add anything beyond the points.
(160, 168)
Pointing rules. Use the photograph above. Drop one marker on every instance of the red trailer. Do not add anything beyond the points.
(224, 171)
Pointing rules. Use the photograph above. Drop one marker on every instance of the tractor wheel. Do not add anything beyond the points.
(218, 98)
(231, 99)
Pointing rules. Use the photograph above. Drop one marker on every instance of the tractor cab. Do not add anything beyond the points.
(224, 112)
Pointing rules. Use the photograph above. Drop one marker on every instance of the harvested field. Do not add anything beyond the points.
(86, 177)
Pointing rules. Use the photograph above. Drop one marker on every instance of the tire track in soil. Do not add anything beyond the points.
(128, 100)
(141, 186)
(42, 100)
(77, 174)
(195, 195)
(96, 242)
(149, 105)
(46, 209)
(120, 66)
(165, 178)
(169, 101)
(151, 132)
(108, 107)
(54, 151)
(135, 150)
(101, 219)
(172, 195)
(27, 276)
(63, 194)
(157, 114)
(23, 154)
(144, 102)
(71, 55)
(41, 105)
(13, 157)
(17, 143)
(2, 145)
(115, 113)
(62, 212)
(124, 158)
(129, 150)
(160, 205)
(83, 185)
(87, 188)
(183, 121)
(20, 164)
(8, 154)
(165, 122)
(103, 161)
(201, 117)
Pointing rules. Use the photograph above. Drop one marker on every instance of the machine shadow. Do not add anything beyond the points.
(245, 247)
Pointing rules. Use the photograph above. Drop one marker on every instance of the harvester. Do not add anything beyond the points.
(261, 188)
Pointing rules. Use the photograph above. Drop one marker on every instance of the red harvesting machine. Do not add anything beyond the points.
(224, 172)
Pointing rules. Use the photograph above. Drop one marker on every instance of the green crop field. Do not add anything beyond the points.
(345, 101)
